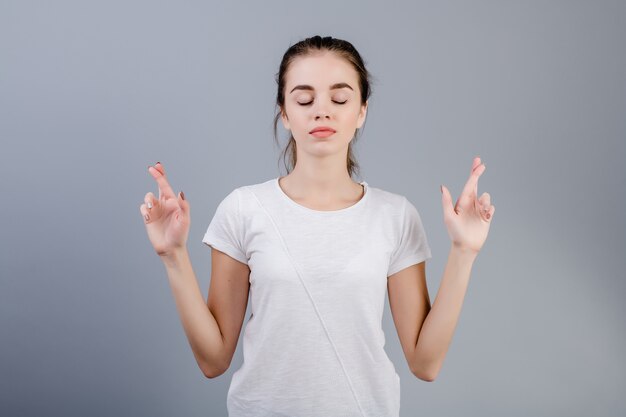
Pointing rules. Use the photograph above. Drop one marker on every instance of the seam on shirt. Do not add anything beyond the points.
(402, 221)
(314, 305)
(401, 231)
(240, 228)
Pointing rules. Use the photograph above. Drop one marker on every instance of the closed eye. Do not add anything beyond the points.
(337, 102)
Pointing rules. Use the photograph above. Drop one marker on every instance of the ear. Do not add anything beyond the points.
(285, 119)
(362, 114)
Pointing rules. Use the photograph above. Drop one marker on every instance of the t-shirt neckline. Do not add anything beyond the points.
(366, 193)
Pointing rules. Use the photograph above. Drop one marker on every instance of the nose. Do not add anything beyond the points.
(321, 111)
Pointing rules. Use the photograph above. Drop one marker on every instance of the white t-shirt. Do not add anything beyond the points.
(313, 345)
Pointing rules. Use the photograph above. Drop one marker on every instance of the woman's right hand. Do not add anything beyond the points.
(167, 218)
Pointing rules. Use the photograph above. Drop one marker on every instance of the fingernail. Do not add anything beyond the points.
(149, 204)
(157, 163)
(182, 195)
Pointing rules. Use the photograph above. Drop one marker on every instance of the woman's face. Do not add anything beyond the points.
(322, 90)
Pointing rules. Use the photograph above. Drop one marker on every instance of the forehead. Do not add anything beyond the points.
(320, 70)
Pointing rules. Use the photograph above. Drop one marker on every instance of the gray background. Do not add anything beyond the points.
(93, 92)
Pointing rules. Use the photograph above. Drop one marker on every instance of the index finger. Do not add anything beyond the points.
(164, 186)
(471, 186)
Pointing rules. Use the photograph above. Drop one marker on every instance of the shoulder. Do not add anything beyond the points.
(244, 192)
(387, 202)
(246, 198)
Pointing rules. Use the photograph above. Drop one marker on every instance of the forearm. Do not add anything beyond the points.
(201, 328)
(439, 325)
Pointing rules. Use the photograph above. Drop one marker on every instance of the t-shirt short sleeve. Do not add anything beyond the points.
(412, 247)
(225, 231)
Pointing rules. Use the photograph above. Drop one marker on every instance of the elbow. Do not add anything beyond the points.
(427, 377)
(426, 369)
(214, 371)
(210, 375)
(425, 374)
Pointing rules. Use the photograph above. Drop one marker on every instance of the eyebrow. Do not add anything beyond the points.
(332, 87)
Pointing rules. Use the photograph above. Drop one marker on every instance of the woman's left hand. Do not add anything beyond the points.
(469, 220)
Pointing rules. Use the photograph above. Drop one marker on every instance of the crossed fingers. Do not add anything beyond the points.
(158, 173)
(152, 205)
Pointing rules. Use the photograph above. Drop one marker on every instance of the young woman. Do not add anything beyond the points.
(315, 251)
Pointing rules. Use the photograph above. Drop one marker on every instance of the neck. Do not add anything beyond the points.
(331, 183)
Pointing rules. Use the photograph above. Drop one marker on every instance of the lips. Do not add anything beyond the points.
(323, 129)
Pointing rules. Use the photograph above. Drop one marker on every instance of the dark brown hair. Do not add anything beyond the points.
(303, 48)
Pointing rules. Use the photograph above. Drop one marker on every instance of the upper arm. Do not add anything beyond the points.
(410, 304)
(228, 298)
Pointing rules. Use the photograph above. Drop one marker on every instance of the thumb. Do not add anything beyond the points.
(446, 202)
(184, 205)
